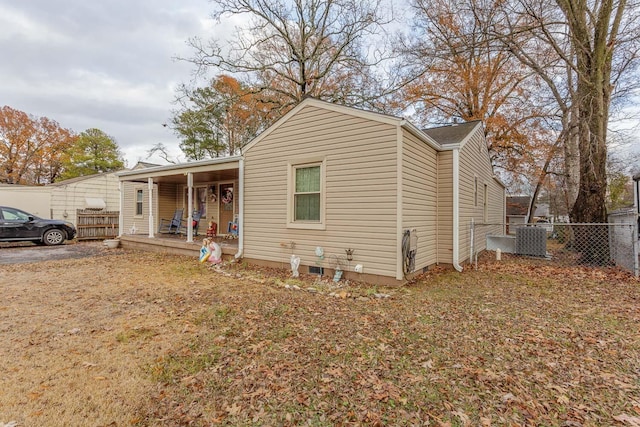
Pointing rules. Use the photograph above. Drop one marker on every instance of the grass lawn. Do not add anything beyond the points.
(148, 339)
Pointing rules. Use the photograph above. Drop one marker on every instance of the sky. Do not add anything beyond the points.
(108, 65)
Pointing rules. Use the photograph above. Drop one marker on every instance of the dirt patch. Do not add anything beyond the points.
(149, 339)
(27, 252)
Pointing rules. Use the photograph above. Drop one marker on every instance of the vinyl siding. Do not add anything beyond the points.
(474, 163)
(419, 197)
(445, 207)
(67, 198)
(34, 200)
(360, 191)
(167, 200)
(129, 207)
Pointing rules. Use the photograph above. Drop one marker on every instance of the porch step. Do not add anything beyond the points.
(175, 245)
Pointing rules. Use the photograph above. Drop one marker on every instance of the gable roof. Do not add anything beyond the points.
(80, 178)
(456, 133)
(142, 165)
(343, 109)
(518, 205)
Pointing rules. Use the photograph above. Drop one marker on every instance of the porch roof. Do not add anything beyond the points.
(222, 168)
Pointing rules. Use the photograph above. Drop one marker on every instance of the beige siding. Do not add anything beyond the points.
(167, 202)
(361, 188)
(34, 200)
(67, 198)
(129, 208)
(212, 206)
(419, 197)
(474, 164)
(445, 207)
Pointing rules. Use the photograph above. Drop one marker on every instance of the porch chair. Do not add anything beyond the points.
(196, 221)
(172, 225)
(232, 228)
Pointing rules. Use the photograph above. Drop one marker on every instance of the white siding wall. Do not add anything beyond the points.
(129, 208)
(34, 200)
(419, 197)
(474, 164)
(360, 191)
(67, 198)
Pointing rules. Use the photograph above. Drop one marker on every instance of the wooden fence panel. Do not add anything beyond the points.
(96, 225)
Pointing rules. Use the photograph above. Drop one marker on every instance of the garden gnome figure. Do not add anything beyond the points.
(295, 263)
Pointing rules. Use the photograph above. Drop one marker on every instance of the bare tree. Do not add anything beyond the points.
(459, 70)
(292, 49)
(583, 51)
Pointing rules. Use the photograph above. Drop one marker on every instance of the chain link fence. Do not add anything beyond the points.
(612, 244)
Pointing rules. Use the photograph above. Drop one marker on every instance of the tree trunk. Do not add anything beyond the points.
(571, 157)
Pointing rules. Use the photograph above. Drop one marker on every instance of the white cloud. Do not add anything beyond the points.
(100, 64)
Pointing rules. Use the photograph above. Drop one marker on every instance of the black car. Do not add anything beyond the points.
(17, 225)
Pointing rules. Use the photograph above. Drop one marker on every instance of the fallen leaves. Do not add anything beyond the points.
(508, 344)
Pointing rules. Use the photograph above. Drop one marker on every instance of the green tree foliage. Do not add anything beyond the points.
(620, 169)
(94, 152)
(218, 119)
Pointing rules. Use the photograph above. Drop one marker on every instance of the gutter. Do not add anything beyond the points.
(456, 210)
(238, 254)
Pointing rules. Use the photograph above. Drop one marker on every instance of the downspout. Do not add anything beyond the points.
(151, 221)
(189, 207)
(121, 213)
(456, 210)
(238, 254)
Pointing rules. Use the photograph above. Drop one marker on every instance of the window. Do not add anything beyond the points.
(199, 200)
(306, 198)
(475, 191)
(139, 198)
(485, 200)
(14, 215)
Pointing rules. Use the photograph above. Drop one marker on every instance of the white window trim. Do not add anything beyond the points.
(135, 202)
(299, 163)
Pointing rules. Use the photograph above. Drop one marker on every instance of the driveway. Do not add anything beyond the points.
(21, 253)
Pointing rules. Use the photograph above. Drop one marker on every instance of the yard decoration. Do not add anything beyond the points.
(295, 263)
(212, 231)
(210, 251)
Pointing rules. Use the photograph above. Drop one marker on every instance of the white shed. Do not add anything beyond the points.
(99, 192)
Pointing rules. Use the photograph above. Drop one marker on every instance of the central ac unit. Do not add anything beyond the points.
(531, 241)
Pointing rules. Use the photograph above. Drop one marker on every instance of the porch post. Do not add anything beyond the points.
(151, 222)
(190, 208)
(121, 212)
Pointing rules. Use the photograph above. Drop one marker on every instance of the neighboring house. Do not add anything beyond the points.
(62, 199)
(97, 192)
(327, 178)
(30, 198)
(518, 209)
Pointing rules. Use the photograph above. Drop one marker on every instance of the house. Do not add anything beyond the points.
(338, 187)
(30, 198)
(518, 211)
(61, 200)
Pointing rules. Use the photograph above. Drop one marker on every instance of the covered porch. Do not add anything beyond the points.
(198, 198)
(177, 245)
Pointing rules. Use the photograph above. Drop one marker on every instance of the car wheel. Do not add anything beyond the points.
(53, 237)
